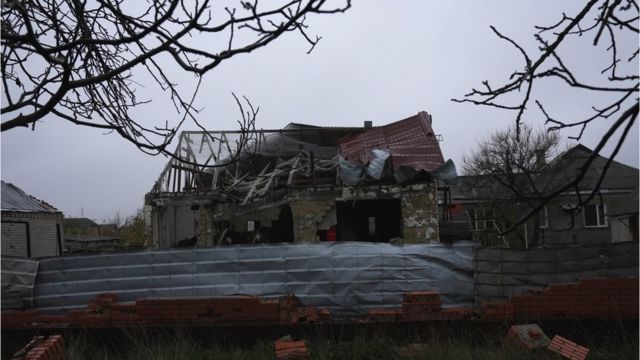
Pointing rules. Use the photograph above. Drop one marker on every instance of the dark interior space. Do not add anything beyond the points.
(283, 227)
(369, 220)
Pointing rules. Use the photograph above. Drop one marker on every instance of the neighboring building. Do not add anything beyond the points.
(30, 227)
(490, 207)
(300, 184)
(74, 226)
(623, 216)
(92, 243)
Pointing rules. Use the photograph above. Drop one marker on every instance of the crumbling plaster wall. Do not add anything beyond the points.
(312, 209)
(420, 214)
(418, 205)
(309, 216)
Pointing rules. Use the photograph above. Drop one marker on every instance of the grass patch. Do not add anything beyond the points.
(430, 341)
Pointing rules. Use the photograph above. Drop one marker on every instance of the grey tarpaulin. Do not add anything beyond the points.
(349, 278)
(18, 279)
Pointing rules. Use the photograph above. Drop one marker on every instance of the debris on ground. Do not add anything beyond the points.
(530, 336)
(287, 349)
(42, 348)
(568, 348)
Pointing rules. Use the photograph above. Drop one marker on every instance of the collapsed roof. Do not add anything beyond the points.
(244, 165)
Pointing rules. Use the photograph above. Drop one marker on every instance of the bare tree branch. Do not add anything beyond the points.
(607, 21)
(75, 59)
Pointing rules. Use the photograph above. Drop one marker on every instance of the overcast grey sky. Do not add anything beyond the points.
(381, 61)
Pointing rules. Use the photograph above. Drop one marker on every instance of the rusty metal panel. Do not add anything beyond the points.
(411, 142)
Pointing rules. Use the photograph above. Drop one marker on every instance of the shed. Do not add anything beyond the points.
(30, 227)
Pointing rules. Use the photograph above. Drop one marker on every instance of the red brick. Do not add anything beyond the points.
(568, 348)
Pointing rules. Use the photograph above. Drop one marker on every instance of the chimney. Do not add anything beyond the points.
(368, 124)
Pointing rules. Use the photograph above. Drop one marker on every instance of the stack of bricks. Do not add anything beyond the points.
(206, 311)
(43, 348)
(420, 305)
(124, 314)
(105, 311)
(497, 311)
(568, 348)
(291, 350)
(292, 312)
(383, 315)
(18, 319)
(596, 298)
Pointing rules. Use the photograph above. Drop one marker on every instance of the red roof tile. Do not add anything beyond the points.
(411, 142)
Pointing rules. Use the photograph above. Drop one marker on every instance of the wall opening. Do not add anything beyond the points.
(369, 220)
(283, 227)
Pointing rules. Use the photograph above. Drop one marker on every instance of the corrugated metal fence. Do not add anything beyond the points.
(500, 273)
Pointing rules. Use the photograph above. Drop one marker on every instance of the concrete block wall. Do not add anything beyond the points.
(43, 233)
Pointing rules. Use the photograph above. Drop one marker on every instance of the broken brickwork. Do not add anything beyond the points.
(43, 348)
(595, 298)
(605, 299)
(568, 349)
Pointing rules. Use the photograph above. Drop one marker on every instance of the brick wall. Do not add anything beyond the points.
(590, 298)
(14, 239)
(43, 233)
(594, 298)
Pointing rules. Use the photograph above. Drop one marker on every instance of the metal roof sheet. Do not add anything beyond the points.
(13, 198)
(411, 142)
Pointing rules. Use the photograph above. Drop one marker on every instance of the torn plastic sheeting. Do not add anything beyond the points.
(348, 278)
(351, 173)
(378, 163)
(18, 280)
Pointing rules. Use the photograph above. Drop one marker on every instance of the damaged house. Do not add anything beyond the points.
(300, 184)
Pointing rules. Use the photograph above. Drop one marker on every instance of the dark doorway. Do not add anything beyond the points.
(283, 227)
(369, 220)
